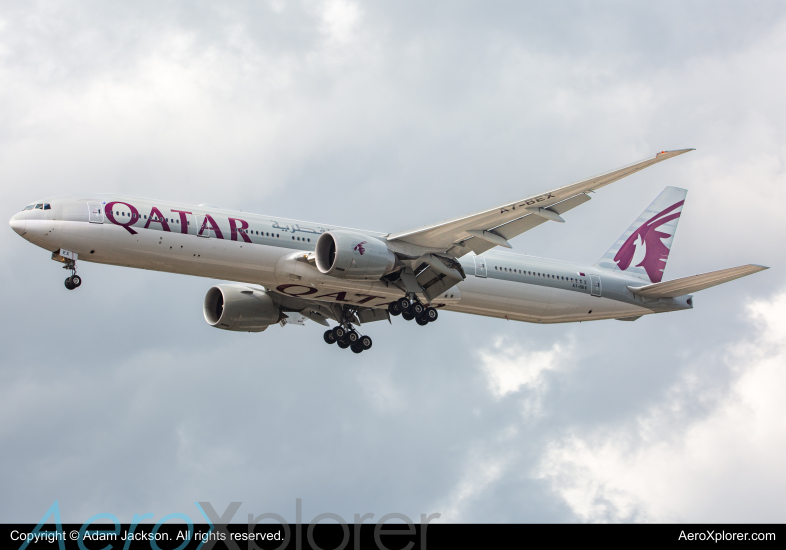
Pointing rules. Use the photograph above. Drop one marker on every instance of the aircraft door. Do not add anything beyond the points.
(480, 266)
(596, 287)
(95, 212)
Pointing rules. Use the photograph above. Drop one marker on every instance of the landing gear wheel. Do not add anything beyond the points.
(394, 309)
(329, 337)
(422, 321)
(343, 344)
(431, 314)
(352, 337)
(417, 308)
(76, 280)
(339, 333)
(366, 342)
(356, 347)
(403, 304)
(68, 284)
(407, 315)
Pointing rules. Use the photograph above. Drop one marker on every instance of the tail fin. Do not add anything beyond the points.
(643, 249)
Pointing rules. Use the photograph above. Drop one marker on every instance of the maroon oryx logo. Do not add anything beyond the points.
(648, 236)
(359, 247)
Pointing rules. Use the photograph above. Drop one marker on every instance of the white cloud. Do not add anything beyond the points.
(509, 366)
(725, 467)
(339, 20)
(479, 474)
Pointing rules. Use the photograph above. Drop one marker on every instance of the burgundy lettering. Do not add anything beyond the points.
(234, 229)
(213, 226)
(159, 218)
(110, 214)
(285, 290)
(183, 220)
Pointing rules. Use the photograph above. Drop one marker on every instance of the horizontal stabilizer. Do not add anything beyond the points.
(687, 285)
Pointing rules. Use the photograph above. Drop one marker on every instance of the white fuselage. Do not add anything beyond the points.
(271, 252)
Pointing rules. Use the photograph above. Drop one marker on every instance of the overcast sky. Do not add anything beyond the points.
(119, 397)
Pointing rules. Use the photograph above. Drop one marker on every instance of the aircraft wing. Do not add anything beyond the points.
(320, 312)
(494, 227)
(687, 285)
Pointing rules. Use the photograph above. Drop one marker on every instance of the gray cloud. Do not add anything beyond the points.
(384, 116)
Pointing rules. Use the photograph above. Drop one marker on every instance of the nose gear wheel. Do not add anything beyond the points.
(74, 281)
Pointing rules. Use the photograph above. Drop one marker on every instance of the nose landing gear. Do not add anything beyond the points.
(74, 281)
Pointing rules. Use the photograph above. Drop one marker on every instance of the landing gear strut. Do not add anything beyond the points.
(346, 336)
(74, 281)
(412, 309)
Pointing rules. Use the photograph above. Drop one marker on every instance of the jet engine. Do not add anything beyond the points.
(240, 308)
(351, 255)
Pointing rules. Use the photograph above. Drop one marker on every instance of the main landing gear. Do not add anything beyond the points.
(348, 338)
(74, 281)
(412, 309)
(345, 334)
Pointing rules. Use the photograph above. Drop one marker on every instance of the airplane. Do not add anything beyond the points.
(288, 271)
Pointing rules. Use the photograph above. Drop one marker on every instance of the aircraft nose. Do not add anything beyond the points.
(17, 223)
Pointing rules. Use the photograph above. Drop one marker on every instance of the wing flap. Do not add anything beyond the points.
(687, 285)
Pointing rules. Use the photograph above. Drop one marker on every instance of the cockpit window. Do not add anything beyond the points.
(47, 207)
(39, 206)
(29, 207)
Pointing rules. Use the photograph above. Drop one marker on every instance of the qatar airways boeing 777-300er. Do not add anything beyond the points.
(287, 271)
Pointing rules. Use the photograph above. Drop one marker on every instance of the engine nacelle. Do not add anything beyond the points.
(351, 255)
(240, 308)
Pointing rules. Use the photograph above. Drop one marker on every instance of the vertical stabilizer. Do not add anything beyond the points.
(643, 249)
